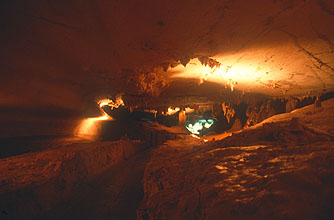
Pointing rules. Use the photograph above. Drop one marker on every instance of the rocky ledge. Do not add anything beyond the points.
(282, 168)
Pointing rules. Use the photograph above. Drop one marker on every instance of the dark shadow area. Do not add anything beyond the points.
(115, 194)
(20, 145)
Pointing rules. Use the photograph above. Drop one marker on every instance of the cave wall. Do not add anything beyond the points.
(58, 57)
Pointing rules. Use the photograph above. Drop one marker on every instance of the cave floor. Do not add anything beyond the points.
(282, 168)
(115, 194)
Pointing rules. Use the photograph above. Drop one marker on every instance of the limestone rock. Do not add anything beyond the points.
(236, 125)
(291, 104)
(256, 115)
(267, 171)
(317, 103)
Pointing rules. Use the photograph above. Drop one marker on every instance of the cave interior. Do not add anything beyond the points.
(218, 109)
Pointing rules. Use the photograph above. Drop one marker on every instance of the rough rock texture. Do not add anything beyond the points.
(279, 169)
(257, 114)
(291, 104)
(236, 126)
(33, 183)
(115, 194)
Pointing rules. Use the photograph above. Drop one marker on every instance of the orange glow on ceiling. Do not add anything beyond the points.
(228, 75)
(274, 70)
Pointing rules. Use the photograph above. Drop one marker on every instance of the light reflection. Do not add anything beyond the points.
(227, 75)
(189, 110)
(234, 71)
(171, 111)
(89, 128)
(199, 125)
(118, 102)
(195, 136)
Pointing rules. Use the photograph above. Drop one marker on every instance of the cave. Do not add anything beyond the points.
(123, 109)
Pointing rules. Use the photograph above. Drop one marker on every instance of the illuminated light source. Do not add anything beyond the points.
(111, 103)
(189, 110)
(171, 111)
(195, 69)
(199, 125)
(90, 127)
(244, 71)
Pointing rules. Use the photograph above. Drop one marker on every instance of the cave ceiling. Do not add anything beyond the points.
(68, 54)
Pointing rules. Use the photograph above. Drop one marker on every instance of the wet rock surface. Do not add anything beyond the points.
(281, 168)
